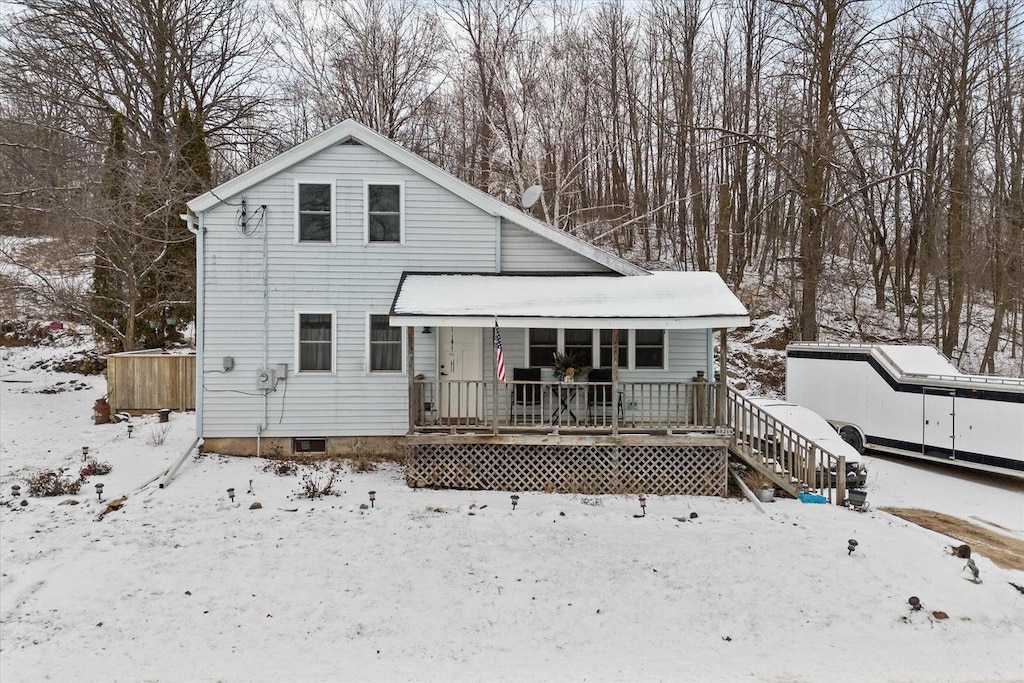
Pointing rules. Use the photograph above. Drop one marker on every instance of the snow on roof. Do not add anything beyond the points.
(682, 300)
(918, 359)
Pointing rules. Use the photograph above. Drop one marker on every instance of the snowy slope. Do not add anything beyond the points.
(182, 584)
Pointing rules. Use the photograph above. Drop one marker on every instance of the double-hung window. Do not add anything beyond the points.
(315, 342)
(384, 219)
(314, 211)
(580, 343)
(543, 345)
(385, 345)
(649, 349)
(606, 348)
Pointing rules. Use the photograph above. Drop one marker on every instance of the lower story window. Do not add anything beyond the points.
(385, 345)
(606, 348)
(649, 349)
(316, 342)
(580, 343)
(543, 345)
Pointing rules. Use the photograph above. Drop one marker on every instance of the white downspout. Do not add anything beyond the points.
(200, 234)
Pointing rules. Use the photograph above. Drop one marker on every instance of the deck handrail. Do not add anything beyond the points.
(804, 465)
(453, 405)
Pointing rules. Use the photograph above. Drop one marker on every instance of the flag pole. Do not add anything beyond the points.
(494, 378)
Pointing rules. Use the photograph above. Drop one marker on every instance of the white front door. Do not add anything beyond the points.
(461, 369)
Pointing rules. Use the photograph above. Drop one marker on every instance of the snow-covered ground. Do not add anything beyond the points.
(181, 584)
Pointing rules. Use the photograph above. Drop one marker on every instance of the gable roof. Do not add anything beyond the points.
(352, 130)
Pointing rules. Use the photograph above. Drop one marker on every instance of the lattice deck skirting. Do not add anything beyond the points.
(656, 469)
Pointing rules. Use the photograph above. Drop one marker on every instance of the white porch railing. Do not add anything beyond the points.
(521, 406)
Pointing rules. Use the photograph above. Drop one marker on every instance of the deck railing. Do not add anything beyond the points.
(523, 406)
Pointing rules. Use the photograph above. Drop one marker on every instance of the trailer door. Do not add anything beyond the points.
(939, 422)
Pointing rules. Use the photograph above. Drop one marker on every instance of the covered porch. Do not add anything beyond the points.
(642, 345)
(494, 405)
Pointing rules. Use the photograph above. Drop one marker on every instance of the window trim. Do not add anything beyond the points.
(312, 180)
(401, 211)
(334, 343)
(664, 350)
(368, 353)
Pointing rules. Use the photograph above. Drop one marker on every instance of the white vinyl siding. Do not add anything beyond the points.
(527, 252)
(442, 233)
(350, 277)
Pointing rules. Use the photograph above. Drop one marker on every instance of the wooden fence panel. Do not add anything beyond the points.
(141, 383)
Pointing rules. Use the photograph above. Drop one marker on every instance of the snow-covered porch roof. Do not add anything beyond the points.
(662, 300)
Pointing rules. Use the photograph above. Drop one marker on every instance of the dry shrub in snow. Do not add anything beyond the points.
(158, 434)
(317, 485)
(362, 463)
(54, 483)
(95, 467)
(282, 468)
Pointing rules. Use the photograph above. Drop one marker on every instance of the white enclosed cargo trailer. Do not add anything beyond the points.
(910, 400)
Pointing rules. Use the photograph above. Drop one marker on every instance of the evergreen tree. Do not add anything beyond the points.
(107, 283)
(194, 175)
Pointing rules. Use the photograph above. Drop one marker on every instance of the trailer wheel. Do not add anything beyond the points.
(851, 435)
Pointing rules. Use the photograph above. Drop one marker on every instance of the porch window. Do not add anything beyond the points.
(649, 349)
(315, 342)
(543, 345)
(314, 208)
(385, 345)
(384, 212)
(624, 345)
(580, 343)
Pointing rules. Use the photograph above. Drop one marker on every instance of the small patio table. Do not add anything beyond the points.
(564, 393)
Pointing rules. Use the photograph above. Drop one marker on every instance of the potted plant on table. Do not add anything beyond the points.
(568, 367)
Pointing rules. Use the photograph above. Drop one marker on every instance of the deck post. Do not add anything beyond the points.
(410, 369)
(723, 363)
(615, 381)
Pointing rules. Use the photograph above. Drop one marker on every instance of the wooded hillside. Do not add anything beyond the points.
(878, 143)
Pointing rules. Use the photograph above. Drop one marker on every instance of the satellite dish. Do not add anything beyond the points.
(531, 195)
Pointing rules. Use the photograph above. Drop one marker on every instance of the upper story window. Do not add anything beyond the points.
(315, 342)
(649, 349)
(384, 220)
(314, 212)
(385, 345)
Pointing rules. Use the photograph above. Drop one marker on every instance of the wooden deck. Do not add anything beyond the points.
(650, 437)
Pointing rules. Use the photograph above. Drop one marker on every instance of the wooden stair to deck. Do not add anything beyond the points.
(766, 465)
(791, 461)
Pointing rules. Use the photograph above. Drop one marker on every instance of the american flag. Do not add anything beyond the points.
(499, 356)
